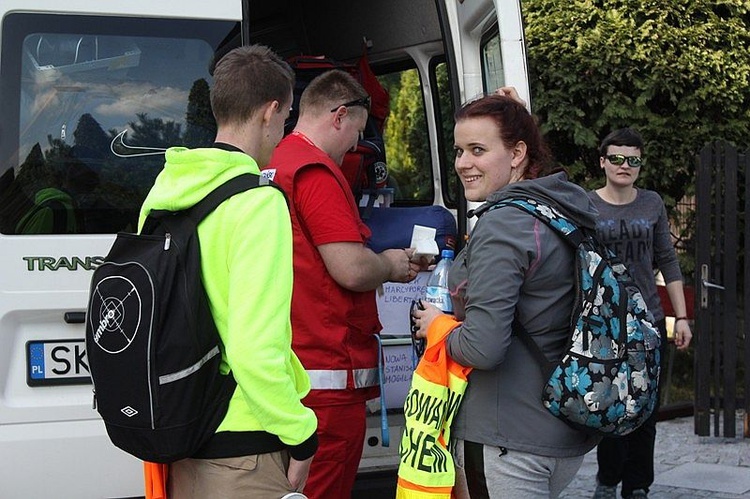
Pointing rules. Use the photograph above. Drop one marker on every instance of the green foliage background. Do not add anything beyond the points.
(676, 70)
(406, 140)
(407, 149)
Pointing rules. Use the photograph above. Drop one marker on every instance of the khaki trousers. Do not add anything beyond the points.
(261, 476)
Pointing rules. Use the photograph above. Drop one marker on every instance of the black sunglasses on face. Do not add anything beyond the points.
(618, 159)
(363, 102)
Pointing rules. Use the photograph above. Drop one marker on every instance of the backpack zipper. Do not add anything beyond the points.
(623, 318)
(588, 303)
(167, 241)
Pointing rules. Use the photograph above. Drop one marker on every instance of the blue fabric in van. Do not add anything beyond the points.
(392, 227)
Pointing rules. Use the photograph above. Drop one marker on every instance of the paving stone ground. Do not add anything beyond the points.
(685, 465)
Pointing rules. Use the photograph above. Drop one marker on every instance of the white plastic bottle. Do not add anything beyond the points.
(437, 285)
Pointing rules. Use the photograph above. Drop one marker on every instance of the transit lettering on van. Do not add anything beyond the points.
(43, 263)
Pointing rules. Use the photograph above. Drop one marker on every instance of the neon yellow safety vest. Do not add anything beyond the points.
(426, 468)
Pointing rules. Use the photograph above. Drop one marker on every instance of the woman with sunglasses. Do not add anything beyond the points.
(633, 223)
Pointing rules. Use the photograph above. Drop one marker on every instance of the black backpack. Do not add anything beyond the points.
(607, 381)
(152, 344)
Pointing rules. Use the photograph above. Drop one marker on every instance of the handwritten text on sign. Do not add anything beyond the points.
(394, 302)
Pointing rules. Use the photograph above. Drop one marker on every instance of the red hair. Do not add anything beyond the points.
(515, 125)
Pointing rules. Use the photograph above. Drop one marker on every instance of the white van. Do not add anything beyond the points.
(90, 95)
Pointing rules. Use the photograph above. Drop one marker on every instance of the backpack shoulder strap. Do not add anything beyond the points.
(238, 184)
(547, 214)
(213, 199)
(545, 365)
(568, 231)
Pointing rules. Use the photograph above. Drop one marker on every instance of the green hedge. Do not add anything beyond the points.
(677, 70)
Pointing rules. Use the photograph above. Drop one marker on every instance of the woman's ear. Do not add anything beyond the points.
(519, 154)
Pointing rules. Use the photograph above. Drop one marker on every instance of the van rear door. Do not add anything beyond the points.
(89, 102)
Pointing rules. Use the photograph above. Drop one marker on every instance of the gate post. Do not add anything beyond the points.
(717, 341)
(701, 342)
(744, 166)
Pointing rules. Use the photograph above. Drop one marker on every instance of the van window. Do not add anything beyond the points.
(492, 61)
(407, 143)
(445, 113)
(99, 103)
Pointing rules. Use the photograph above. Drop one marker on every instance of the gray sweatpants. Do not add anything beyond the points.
(497, 472)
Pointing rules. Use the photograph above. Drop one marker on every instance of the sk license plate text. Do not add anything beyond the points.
(56, 362)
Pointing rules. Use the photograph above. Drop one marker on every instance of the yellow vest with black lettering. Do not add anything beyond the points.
(426, 468)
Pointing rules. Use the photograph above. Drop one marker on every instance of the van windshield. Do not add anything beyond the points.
(92, 112)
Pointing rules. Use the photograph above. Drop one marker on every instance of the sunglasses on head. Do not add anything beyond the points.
(362, 102)
(618, 159)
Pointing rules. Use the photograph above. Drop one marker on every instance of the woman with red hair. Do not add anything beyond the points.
(514, 268)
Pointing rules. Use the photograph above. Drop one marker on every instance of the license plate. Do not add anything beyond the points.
(57, 362)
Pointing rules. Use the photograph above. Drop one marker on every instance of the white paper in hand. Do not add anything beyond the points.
(423, 241)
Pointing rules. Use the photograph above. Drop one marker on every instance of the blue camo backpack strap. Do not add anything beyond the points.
(606, 383)
(547, 214)
(589, 254)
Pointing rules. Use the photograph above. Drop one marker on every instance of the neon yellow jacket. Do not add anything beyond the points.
(246, 262)
(426, 469)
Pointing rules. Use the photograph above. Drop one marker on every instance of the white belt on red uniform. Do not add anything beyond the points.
(335, 379)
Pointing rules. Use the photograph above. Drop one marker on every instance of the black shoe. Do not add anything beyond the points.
(605, 492)
(638, 494)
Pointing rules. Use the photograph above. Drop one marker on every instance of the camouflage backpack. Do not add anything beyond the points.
(607, 380)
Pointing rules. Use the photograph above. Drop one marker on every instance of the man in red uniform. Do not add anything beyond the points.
(334, 314)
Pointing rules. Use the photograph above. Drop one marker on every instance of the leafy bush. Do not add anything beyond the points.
(676, 70)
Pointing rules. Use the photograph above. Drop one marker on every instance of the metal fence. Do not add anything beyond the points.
(722, 324)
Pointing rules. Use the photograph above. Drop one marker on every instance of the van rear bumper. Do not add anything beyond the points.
(67, 459)
(375, 457)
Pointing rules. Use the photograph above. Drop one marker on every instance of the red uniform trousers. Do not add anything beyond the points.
(341, 434)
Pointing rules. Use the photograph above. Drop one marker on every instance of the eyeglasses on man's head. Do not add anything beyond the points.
(362, 102)
(618, 159)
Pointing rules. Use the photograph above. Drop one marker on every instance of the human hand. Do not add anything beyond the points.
(402, 269)
(682, 334)
(423, 318)
(298, 472)
(512, 93)
(421, 263)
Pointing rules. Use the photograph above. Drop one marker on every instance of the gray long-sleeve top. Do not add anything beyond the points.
(638, 232)
(513, 264)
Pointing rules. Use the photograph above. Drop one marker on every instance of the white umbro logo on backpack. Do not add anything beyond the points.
(128, 411)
